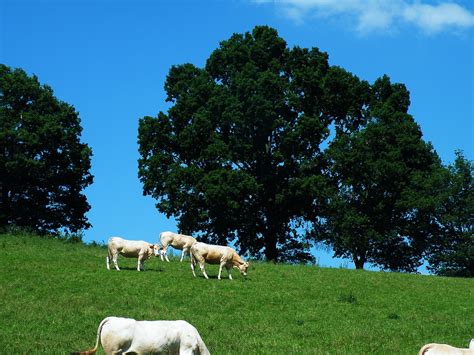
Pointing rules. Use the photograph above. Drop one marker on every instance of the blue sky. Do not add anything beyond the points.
(110, 59)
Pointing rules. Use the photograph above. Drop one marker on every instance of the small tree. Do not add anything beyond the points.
(452, 248)
(378, 211)
(238, 155)
(43, 165)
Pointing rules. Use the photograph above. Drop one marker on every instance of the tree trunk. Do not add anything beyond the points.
(359, 263)
(271, 252)
(4, 204)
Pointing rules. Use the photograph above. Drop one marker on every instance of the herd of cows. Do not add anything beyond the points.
(201, 253)
(129, 336)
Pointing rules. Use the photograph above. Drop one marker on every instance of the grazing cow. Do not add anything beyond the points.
(129, 336)
(130, 249)
(177, 241)
(444, 349)
(216, 254)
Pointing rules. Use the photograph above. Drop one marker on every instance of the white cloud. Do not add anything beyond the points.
(374, 15)
(437, 18)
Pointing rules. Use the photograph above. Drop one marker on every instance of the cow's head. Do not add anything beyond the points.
(243, 268)
(151, 250)
(156, 249)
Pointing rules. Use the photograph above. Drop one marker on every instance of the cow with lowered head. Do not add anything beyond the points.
(227, 257)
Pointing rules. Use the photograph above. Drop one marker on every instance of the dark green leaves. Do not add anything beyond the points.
(242, 143)
(43, 165)
(451, 252)
(381, 173)
(241, 156)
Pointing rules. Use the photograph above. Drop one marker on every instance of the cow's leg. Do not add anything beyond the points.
(114, 258)
(201, 265)
(140, 262)
(221, 265)
(108, 263)
(182, 254)
(192, 266)
(163, 252)
(229, 270)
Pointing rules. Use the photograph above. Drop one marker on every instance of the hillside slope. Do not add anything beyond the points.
(53, 295)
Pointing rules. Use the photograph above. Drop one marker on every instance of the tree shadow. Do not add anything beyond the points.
(128, 268)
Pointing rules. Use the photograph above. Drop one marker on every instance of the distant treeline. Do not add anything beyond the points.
(267, 147)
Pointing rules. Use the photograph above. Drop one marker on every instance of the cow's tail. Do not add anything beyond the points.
(424, 349)
(93, 350)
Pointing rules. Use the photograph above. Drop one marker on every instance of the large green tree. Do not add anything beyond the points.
(380, 209)
(43, 165)
(238, 155)
(451, 252)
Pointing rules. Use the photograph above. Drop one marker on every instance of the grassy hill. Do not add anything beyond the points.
(54, 294)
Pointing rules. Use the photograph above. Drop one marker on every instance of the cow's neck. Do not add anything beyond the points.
(236, 260)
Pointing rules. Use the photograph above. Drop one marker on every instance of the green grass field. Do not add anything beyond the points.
(54, 294)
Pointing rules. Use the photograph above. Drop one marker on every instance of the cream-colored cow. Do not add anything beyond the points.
(217, 254)
(177, 241)
(129, 336)
(129, 249)
(444, 349)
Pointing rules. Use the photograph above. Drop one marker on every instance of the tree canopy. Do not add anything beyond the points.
(273, 149)
(380, 210)
(43, 164)
(451, 251)
(238, 155)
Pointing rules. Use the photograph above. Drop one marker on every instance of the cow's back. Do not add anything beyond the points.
(133, 247)
(177, 241)
(164, 337)
(166, 237)
(128, 248)
(115, 243)
(180, 241)
(443, 349)
(212, 254)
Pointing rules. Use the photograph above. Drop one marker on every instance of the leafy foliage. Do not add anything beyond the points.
(452, 249)
(43, 165)
(238, 155)
(379, 211)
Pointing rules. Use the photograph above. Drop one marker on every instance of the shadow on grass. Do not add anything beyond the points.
(347, 298)
(128, 268)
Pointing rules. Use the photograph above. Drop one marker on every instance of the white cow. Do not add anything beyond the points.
(129, 249)
(177, 241)
(129, 336)
(444, 349)
(216, 254)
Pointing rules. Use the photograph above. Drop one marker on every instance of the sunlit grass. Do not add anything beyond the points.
(53, 295)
